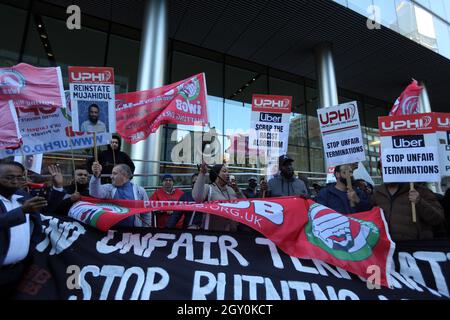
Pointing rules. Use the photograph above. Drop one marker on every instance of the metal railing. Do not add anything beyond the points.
(180, 171)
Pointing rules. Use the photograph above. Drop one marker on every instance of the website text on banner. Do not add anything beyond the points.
(92, 99)
(269, 128)
(49, 129)
(10, 137)
(29, 86)
(299, 227)
(141, 113)
(409, 151)
(341, 134)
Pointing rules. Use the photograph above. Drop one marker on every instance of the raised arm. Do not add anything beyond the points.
(200, 190)
(96, 189)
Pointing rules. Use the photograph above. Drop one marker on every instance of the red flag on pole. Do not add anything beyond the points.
(138, 114)
(29, 86)
(408, 102)
(10, 137)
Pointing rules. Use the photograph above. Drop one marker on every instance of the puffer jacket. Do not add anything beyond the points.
(398, 212)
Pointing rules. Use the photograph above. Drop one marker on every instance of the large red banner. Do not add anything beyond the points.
(29, 86)
(301, 228)
(138, 114)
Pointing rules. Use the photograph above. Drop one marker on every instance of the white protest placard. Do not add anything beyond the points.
(409, 151)
(33, 162)
(48, 129)
(269, 128)
(93, 99)
(443, 136)
(341, 134)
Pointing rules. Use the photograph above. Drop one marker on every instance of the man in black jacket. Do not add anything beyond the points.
(62, 198)
(20, 226)
(111, 157)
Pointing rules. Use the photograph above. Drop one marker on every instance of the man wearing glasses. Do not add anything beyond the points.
(20, 226)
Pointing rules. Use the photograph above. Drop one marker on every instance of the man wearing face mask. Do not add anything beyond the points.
(20, 226)
(342, 198)
(284, 183)
(111, 157)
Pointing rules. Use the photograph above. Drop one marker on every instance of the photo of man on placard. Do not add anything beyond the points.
(94, 114)
(33, 162)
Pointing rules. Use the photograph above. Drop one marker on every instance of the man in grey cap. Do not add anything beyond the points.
(284, 183)
(251, 191)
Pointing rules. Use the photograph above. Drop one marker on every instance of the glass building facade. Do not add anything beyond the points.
(426, 22)
(35, 32)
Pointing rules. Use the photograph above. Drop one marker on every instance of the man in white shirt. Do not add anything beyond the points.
(20, 225)
(93, 124)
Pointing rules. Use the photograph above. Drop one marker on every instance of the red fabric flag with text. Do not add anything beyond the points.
(10, 137)
(408, 102)
(138, 114)
(359, 243)
(29, 86)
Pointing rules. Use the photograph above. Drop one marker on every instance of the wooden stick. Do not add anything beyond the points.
(413, 205)
(24, 165)
(114, 157)
(350, 188)
(73, 164)
(95, 148)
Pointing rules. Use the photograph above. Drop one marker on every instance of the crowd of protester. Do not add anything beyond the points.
(20, 223)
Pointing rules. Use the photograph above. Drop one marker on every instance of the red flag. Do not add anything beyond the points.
(28, 86)
(10, 137)
(358, 243)
(139, 114)
(408, 102)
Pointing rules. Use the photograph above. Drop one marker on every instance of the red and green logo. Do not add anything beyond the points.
(342, 236)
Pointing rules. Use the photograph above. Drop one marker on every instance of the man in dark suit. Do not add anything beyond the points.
(20, 226)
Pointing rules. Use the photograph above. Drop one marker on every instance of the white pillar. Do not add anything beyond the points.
(151, 72)
(326, 77)
(424, 100)
(425, 107)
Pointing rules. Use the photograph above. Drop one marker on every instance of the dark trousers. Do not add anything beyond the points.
(10, 277)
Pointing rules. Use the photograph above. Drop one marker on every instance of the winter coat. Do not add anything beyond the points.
(338, 200)
(398, 213)
(160, 195)
(280, 186)
(106, 159)
(15, 217)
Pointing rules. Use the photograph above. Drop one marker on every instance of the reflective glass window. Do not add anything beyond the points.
(360, 6)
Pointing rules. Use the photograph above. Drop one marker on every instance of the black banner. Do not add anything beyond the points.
(76, 262)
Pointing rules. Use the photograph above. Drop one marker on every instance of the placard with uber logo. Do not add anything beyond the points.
(341, 134)
(269, 128)
(443, 136)
(409, 148)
